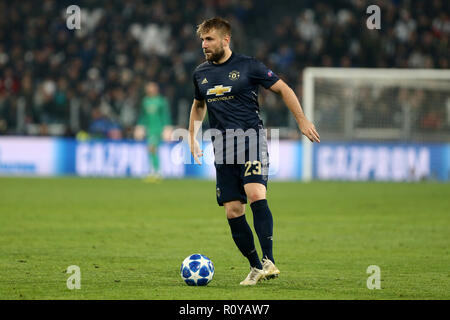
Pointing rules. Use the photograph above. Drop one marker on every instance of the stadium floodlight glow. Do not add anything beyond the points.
(373, 105)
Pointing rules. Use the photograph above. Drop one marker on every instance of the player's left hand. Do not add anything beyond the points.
(309, 130)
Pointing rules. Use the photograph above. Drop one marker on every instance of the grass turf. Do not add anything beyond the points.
(129, 239)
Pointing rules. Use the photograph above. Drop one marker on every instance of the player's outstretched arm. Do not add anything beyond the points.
(291, 101)
(198, 112)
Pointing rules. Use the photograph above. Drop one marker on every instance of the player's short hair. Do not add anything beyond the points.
(216, 23)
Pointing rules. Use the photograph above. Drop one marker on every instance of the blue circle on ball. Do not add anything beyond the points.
(194, 265)
(190, 282)
(186, 272)
(204, 271)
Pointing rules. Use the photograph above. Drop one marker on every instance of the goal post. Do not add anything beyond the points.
(351, 105)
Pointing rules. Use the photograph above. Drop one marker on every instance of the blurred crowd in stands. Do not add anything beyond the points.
(56, 81)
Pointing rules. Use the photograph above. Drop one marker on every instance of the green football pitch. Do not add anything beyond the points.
(129, 239)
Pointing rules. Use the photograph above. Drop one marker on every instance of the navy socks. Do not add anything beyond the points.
(243, 237)
(263, 223)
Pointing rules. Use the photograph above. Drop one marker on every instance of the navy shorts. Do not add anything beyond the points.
(231, 178)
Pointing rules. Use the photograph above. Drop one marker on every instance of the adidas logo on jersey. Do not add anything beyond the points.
(204, 81)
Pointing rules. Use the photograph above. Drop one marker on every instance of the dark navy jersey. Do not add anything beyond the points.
(230, 91)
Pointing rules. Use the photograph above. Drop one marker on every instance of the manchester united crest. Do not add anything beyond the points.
(233, 75)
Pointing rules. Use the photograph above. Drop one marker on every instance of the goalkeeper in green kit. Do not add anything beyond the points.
(154, 124)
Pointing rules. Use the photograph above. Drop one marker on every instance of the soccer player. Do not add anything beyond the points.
(226, 84)
(153, 120)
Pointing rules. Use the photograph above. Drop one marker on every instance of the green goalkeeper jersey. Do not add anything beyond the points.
(154, 115)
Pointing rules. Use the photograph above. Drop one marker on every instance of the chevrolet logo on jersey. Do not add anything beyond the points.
(219, 90)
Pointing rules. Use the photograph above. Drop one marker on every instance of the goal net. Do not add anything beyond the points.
(376, 105)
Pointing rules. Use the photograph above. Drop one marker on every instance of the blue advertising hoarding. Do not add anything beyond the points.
(33, 156)
(380, 161)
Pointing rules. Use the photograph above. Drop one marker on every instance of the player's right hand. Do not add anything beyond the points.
(195, 150)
